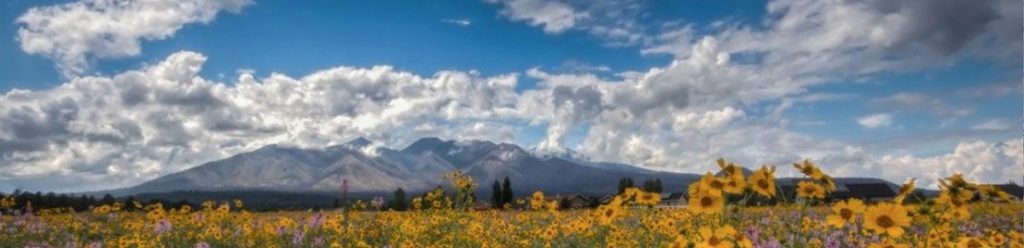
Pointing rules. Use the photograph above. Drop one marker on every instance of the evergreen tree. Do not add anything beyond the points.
(399, 203)
(496, 198)
(108, 199)
(506, 192)
(625, 182)
(652, 185)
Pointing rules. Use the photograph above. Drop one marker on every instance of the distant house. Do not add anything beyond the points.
(606, 199)
(673, 199)
(575, 201)
(870, 191)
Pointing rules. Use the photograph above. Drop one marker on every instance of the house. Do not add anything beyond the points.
(673, 199)
(605, 199)
(870, 191)
(575, 201)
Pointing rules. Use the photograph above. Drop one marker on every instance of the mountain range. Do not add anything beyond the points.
(370, 169)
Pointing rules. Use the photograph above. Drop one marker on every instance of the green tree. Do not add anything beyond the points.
(652, 185)
(625, 182)
(496, 195)
(399, 203)
(506, 192)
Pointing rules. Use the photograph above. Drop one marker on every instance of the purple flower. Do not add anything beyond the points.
(162, 226)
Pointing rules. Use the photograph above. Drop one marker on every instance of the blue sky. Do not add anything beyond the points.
(663, 84)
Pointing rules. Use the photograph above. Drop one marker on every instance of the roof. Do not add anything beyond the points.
(673, 196)
(870, 190)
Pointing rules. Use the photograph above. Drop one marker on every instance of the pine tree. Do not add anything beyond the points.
(496, 199)
(506, 192)
(624, 183)
(399, 203)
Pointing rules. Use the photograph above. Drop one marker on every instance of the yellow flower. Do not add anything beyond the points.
(729, 169)
(809, 190)
(717, 238)
(888, 243)
(886, 218)
(905, 190)
(734, 185)
(971, 242)
(708, 182)
(606, 214)
(844, 212)
(648, 198)
(762, 181)
(537, 200)
(996, 239)
(706, 202)
(679, 242)
(808, 168)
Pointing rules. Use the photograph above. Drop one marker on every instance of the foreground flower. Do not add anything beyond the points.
(717, 238)
(886, 218)
(707, 202)
(844, 212)
(810, 190)
(762, 181)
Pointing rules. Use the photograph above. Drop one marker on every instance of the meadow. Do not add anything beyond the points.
(720, 213)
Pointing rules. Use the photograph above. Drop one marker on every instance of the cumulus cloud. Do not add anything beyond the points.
(73, 34)
(163, 118)
(875, 120)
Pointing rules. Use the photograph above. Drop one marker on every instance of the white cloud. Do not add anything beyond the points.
(615, 21)
(875, 120)
(997, 124)
(74, 34)
(458, 22)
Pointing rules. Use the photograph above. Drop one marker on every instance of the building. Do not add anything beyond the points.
(870, 191)
(673, 199)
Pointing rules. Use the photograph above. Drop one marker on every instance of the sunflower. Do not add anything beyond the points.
(996, 239)
(717, 238)
(679, 242)
(606, 214)
(888, 243)
(762, 181)
(844, 212)
(886, 218)
(808, 168)
(810, 190)
(971, 242)
(905, 190)
(708, 182)
(537, 200)
(648, 198)
(730, 170)
(706, 202)
(734, 185)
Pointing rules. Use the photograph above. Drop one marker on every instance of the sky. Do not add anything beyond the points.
(103, 94)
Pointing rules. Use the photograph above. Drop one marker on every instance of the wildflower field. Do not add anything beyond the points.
(719, 213)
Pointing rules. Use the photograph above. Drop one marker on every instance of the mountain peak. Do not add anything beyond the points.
(428, 144)
(358, 143)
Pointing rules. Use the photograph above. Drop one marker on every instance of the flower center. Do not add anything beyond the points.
(846, 213)
(884, 221)
(762, 183)
(706, 201)
(716, 184)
